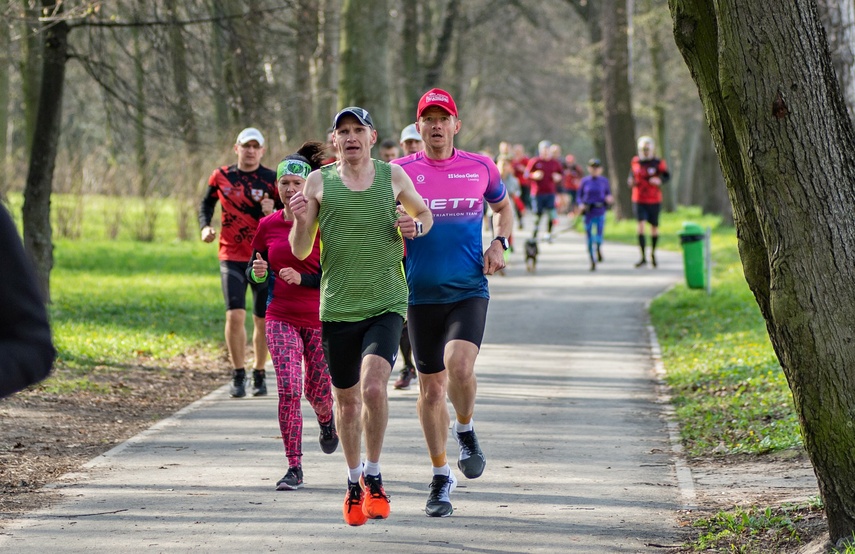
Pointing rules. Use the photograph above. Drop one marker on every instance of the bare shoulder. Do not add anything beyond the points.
(400, 180)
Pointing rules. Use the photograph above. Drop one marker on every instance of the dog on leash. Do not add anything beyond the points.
(531, 252)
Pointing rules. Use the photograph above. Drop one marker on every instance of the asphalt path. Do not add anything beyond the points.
(577, 443)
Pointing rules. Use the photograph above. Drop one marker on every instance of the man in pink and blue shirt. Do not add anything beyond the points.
(446, 275)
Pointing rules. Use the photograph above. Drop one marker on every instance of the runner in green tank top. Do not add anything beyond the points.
(363, 291)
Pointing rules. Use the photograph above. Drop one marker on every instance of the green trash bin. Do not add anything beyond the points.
(692, 241)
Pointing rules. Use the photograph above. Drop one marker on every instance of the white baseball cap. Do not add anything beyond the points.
(248, 134)
(410, 133)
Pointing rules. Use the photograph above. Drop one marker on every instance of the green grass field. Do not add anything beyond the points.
(120, 301)
(729, 391)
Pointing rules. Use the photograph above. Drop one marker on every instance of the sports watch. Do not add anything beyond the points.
(420, 229)
(503, 241)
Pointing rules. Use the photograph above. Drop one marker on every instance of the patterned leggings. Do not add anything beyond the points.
(289, 346)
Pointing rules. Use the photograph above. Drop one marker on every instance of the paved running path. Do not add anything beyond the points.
(578, 456)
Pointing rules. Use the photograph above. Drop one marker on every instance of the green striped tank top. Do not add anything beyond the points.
(361, 249)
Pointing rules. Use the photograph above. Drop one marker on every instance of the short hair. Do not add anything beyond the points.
(388, 143)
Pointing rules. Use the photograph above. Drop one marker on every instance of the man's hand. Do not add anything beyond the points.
(406, 224)
(494, 258)
(267, 205)
(299, 205)
(208, 234)
(290, 276)
(259, 266)
(655, 181)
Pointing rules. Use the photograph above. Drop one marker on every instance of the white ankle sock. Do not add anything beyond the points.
(461, 427)
(444, 470)
(372, 468)
(354, 473)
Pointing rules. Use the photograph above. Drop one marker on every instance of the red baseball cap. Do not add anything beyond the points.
(437, 97)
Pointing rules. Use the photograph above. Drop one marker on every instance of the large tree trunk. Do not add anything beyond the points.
(326, 74)
(617, 103)
(219, 68)
(364, 79)
(660, 89)
(412, 78)
(31, 53)
(433, 70)
(180, 80)
(784, 139)
(36, 213)
(4, 105)
(244, 73)
(711, 191)
(838, 19)
(306, 19)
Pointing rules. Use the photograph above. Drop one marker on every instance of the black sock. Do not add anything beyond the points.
(239, 372)
(642, 243)
(653, 240)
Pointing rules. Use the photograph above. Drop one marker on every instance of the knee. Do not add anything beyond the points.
(432, 391)
(373, 393)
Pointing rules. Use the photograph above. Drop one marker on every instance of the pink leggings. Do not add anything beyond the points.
(289, 346)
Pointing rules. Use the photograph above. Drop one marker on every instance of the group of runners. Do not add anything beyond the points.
(341, 307)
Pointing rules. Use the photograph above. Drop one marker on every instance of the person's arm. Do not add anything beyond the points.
(256, 269)
(311, 280)
(26, 347)
(414, 206)
(206, 212)
(503, 223)
(305, 206)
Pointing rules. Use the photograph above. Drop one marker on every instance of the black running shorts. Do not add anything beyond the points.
(432, 326)
(234, 282)
(346, 343)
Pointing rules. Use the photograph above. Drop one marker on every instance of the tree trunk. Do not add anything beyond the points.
(244, 75)
(36, 212)
(660, 89)
(412, 78)
(783, 137)
(219, 68)
(180, 81)
(433, 71)
(364, 79)
(327, 66)
(140, 107)
(711, 190)
(31, 62)
(617, 103)
(5, 43)
(838, 19)
(306, 17)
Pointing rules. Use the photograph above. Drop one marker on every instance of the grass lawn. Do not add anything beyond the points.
(122, 301)
(729, 391)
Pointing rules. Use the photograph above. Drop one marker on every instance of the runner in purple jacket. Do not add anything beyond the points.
(594, 197)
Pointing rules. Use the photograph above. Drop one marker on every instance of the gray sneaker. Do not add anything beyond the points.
(238, 387)
(471, 460)
(438, 503)
(292, 481)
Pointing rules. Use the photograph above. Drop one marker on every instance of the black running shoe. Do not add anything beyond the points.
(438, 503)
(329, 437)
(641, 263)
(238, 388)
(259, 386)
(292, 481)
(653, 259)
(471, 460)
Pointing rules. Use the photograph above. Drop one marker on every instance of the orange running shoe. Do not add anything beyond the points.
(376, 502)
(353, 505)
